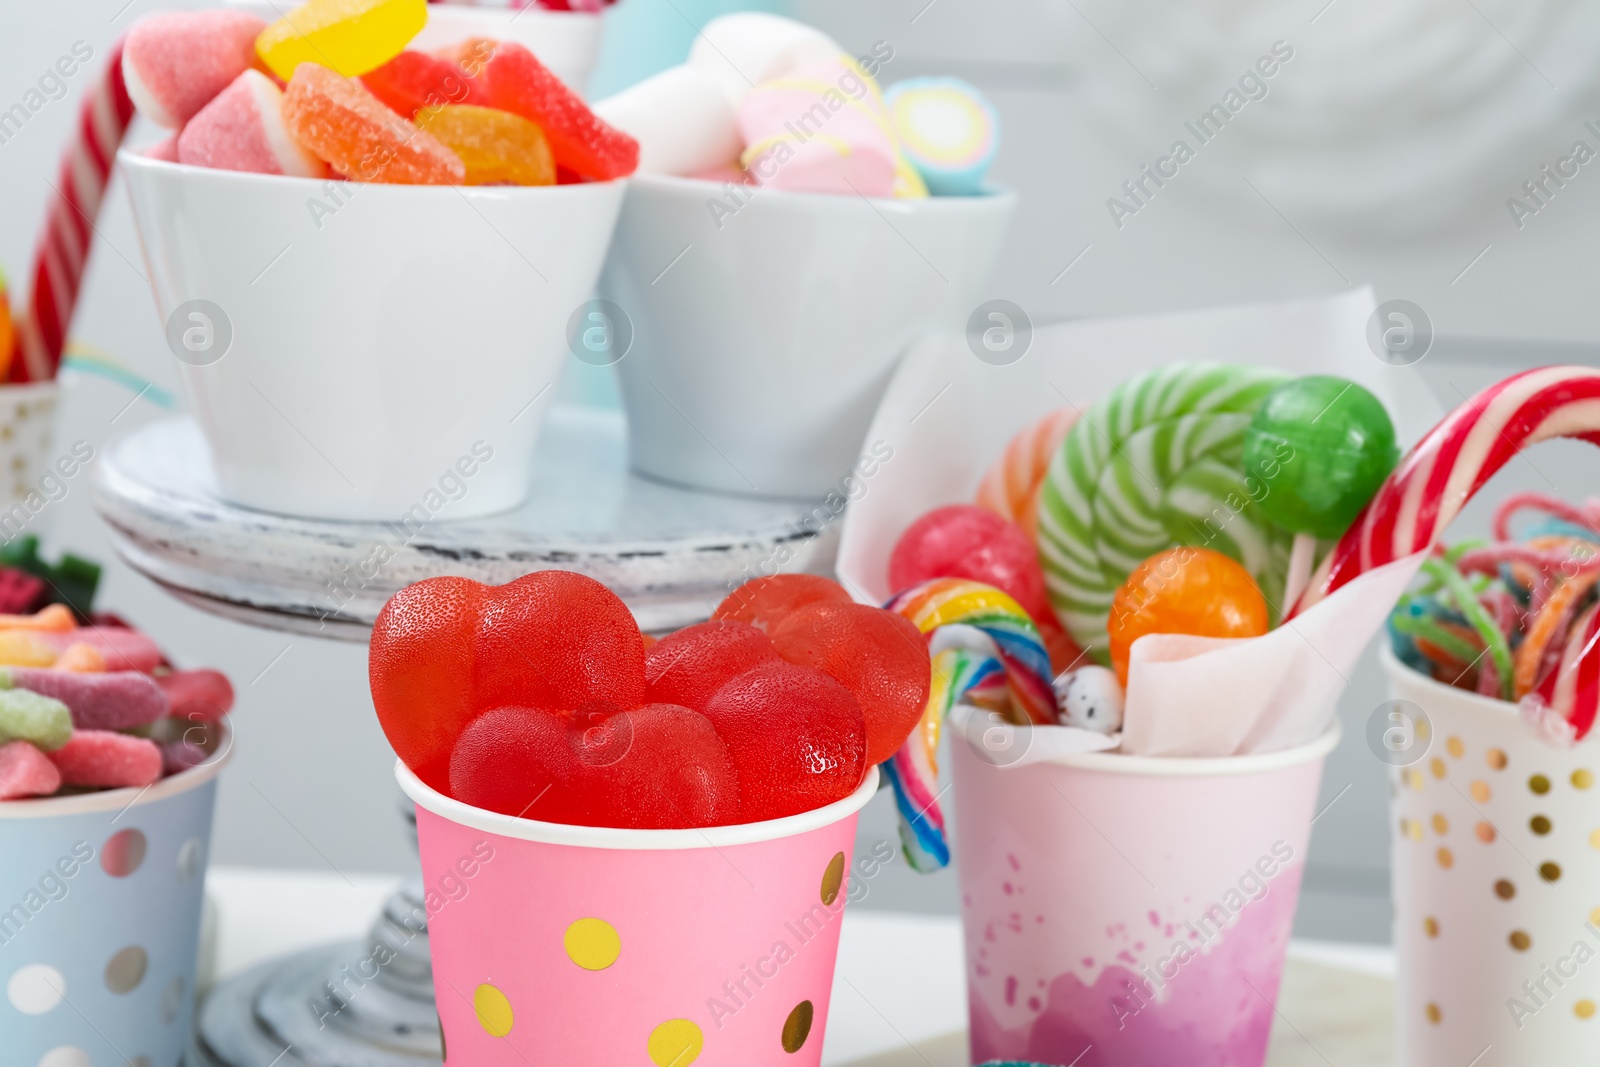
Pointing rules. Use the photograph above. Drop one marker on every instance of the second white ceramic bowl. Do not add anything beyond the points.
(389, 347)
(766, 324)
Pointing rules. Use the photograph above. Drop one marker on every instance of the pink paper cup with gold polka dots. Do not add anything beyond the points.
(100, 898)
(1496, 861)
(556, 944)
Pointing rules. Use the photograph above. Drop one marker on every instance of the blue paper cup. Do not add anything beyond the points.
(100, 898)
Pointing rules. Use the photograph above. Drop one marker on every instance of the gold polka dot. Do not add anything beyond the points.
(592, 944)
(1584, 1009)
(1437, 767)
(1550, 872)
(1414, 778)
(1441, 825)
(1485, 832)
(1416, 831)
(1405, 826)
(797, 1027)
(1496, 759)
(1480, 792)
(1594, 839)
(1434, 1014)
(1430, 926)
(1539, 784)
(1505, 890)
(1594, 916)
(675, 1043)
(1520, 940)
(1582, 779)
(1539, 824)
(832, 879)
(1446, 860)
(494, 1010)
(1455, 747)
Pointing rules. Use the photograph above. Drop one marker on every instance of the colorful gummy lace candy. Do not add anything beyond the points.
(97, 707)
(541, 699)
(331, 85)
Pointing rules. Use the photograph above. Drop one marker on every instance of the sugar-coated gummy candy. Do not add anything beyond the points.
(688, 667)
(515, 81)
(23, 649)
(349, 36)
(116, 700)
(359, 137)
(80, 658)
(242, 129)
(655, 767)
(175, 62)
(498, 148)
(445, 649)
(197, 695)
(19, 590)
(26, 716)
(797, 739)
(107, 760)
(26, 772)
(765, 602)
(413, 81)
(179, 756)
(122, 648)
(881, 657)
(56, 618)
(966, 541)
(1183, 590)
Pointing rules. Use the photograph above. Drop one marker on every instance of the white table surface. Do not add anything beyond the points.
(1332, 1010)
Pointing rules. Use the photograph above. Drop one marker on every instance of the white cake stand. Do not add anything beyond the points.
(670, 553)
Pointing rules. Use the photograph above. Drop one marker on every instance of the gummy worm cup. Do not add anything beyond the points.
(1496, 856)
(569, 944)
(1123, 909)
(362, 351)
(100, 897)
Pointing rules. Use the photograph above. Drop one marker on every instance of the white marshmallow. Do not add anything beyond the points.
(682, 119)
(746, 49)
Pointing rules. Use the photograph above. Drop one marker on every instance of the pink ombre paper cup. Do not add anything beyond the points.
(1125, 911)
(557, 944)
(1496, 861)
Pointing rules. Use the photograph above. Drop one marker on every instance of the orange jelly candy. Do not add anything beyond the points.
(499, 148)
(1184, 591)
(342, 122)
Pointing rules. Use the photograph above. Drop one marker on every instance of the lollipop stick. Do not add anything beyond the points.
(1301, 557)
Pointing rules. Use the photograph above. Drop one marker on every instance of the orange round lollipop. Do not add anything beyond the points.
(1184, 591)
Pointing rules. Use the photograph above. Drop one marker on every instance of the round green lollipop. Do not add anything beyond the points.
(1321, 446)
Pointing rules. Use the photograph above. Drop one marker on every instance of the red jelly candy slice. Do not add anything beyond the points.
(765, 602)
(796, 737)
(412, 81)
(877, 655)
(579, 139)
(659, 767)
(963, 541)
(688, 667)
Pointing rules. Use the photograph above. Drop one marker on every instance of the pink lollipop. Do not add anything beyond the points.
(1437, 478)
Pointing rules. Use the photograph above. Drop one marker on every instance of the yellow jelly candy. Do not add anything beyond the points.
(349, 36)
(497, 146)
(20, 649)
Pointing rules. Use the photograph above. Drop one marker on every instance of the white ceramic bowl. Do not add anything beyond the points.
(763, 337)
(568, 42)
(383, 336)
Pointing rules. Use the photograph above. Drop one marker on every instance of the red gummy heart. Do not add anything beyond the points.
(796, 737)
(658, 767)
(765, 602)
(688, 667)
(877, 655)
(445, 649)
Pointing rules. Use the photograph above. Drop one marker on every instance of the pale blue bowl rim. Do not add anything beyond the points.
(118, 799)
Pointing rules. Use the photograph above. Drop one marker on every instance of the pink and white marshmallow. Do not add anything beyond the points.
(819, 129)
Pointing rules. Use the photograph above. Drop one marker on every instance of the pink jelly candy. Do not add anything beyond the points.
(203, 695)
(688, 667)
(242, 129)
(115, 700)
(26, 772)
(175, 62)
(797, 739)
(107, 760)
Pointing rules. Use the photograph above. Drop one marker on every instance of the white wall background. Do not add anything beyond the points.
(1088, 91)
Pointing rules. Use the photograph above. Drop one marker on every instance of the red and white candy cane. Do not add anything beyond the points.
(63, 250)
(1437, 477)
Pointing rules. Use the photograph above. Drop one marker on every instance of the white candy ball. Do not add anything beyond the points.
(1090, 697)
